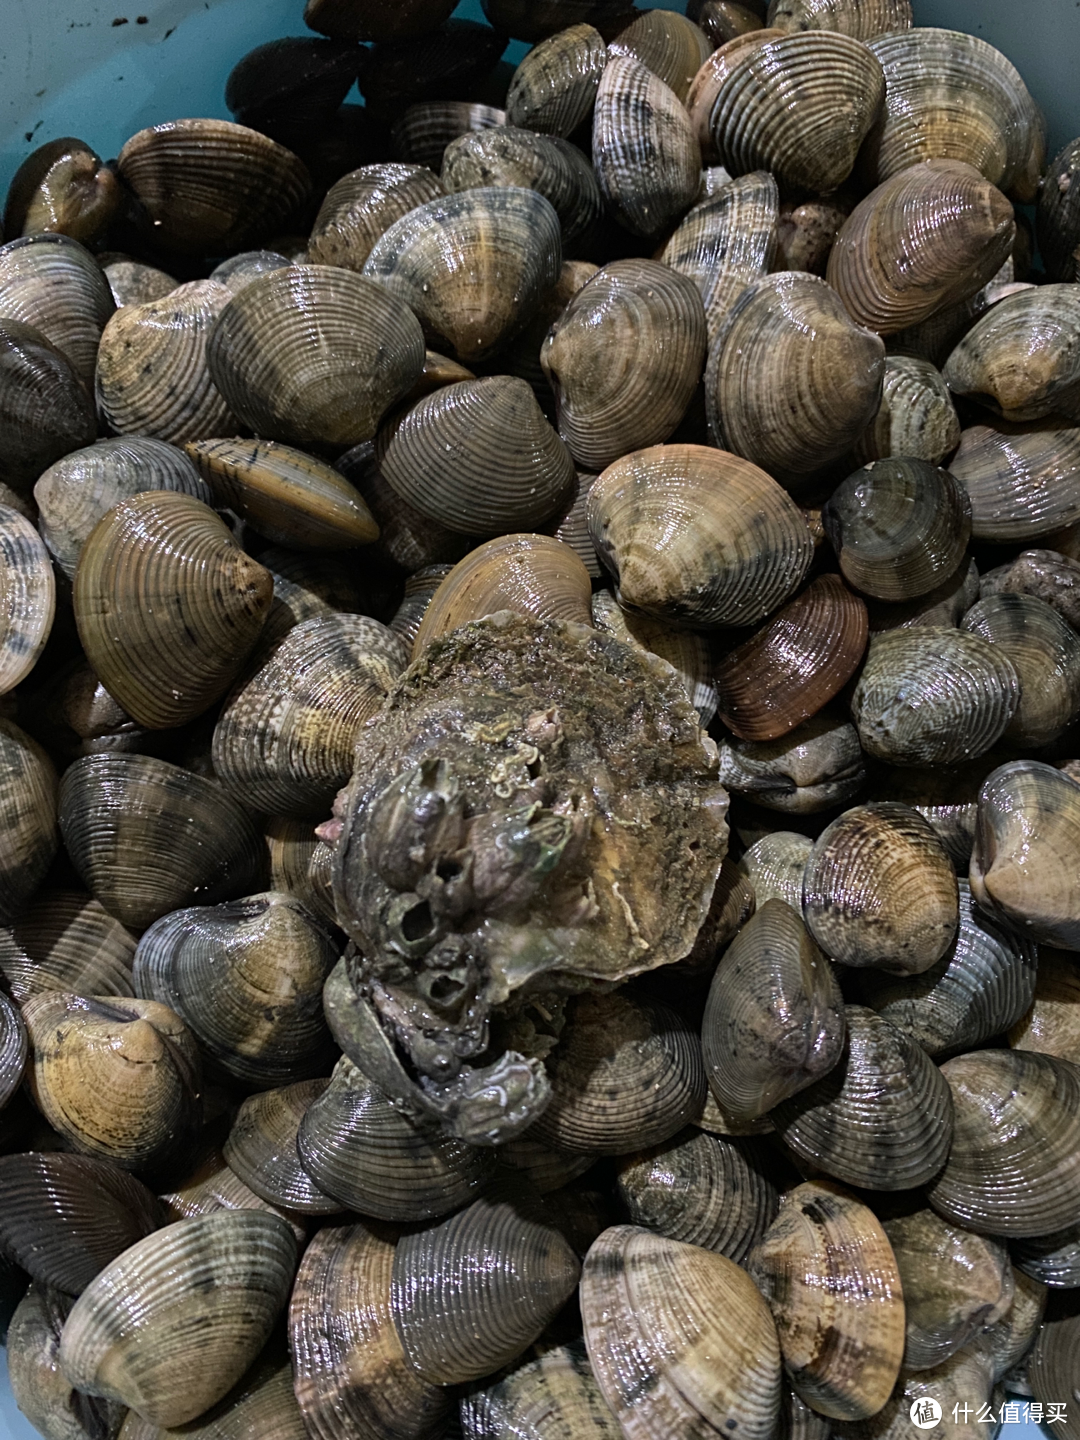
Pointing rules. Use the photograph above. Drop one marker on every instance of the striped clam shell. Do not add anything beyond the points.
(1022, 358)
(916, 417)
(27, 598)
(774, 866)
(419, 589)
(424, 130)
(554, 1394)
(27, 818)
(1023, 481)
(668, 44)
(14, 1048)
(554, 86)
(573, 528)
(1045, 652)
(66, 940)
(54, 284)
(38, 1385)
(240, 270)
(44, 408)
(710, 80)
(862, 19)
(261, 1148)
(363, 205)
(1052, 1259)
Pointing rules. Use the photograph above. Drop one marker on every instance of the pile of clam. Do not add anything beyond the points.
(540, 738)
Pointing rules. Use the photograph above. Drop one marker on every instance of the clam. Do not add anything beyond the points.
(421, 134)
(38, 1385)
(573, 528)
(791, 667)
(411, 540)
(945, 605)
(698, 536)
(1023, 481)
(132, 282)
(816, 766)
(706, 1360)
(54, 284)
(879, 890)
(881, 1119)
(555, 1395)
(65, 1217)
(930, 235)
(472, 1292)
(1053, 1259)
(1025, 865)
(44, 408)
(723, 20)
(13, 1049)
(27, 598)
(731, 906)
(473, 266)
(351, 1377)
(361, 1149)
(1046, 574)
(478, 458)
(955, 1284)
(688, 652)
(147, 837)
(825, 376)
(420, 588)
(27, 818)
(899, 528)
(849, 17)
(211, 1186)
(1045, 652)
(952, 96)
(929, 695)
(980, 986)
(1052, 1024)
(1014, 1166)
(363, 205)
(668, 44)
(554, 86)
(1020, 359)
(1057, 223)
(799, 105)
(310, 584)
(171, 1325)
(247, 979)
(239, 270)
(774, 866)
(806, 229)
(152, 375)
(65, 940)
(829, 1274)
(63, 188)
(1003, 1346)
(1054, 1367)
(916, 417)
(260, 1403)
(118, 1078)
(292, 86)
(545, 1169)
(711, 79)
(651, 319)
(647, 158)
(374, 20)
(774, 1019)
(530, 574)
(314, 353)
(626, 1073)
(212, 187)
(261, 1148)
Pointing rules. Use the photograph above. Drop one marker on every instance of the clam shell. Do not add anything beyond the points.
(27, 818)
(54, 284)
(800, 106)
(44, 409)
(899, 528)
(830, 1276)
(666, 43)
(133, 283)
(1057, 219)
(175, 1320)
(932, 696)
(722, 20)
(824, 376)
(774, 866)
(554, 86)
(38, 1385)
(147, 837)
(698, 536)
(542, 1167)
(881, 1119)
(316, 354)
(1023, 481)
(291, 844)
(211, 187)
(13, 1049)
(1022, 358)
(980, 986)
(774, 1019)
(806, 230)
(794, 664)
(261, 1148)
(473, 266)
(211, 1186)
(65, 940)
(554, 1395)
(1003, 1346)
(239, 270)
(307, 585)
(652, 320)
(953, 229)
(27, 598)
(472, 1292)
(1014, 1166)
(814, 767)
(247, 979)
(879, 890)
(1053, 1368)
(679, 1338)
(62, 187)
(863, 20)
(478, 458)
(360, 1148)
(948, 798)
(167, 606)
(420, 588)
(363, 205)
(711, 79)
(421, 135)
(260, 1403)
(1045, 574)
(351, 1376)
(573, 528)
(74, 493)
(952, 96)
(916, 417)
(1045, 652)
(1052, 1024)
(945, 605)
(647, 158)
(688, 653)
(1053, 1260)
(410, 540)
(1025, 864)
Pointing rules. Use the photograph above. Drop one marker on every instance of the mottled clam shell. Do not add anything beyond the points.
(27, 598)
(167, 606)
(554, 86)
(829, 1274)
(1025, 864)
(1046, 574)
(261, 1148)
(314, 353)
(28, 835)
(624, 359)
(688, 652)
(212, 187)
(881, 1119)
(65, 940)
(929, 695)
(1052, 1024)
(133, 283)
(679, 1338)
(363, 205)
(1057, 219)
(647, 157)
(554, 1395)
(981, 986)
(952, 228)
(472, 266)
(668, 44)
(44, 408)
(1023, 481)
(879, 890)
(1014, 1166)
(54, 284)
(147, 837)
(351, 1377)
(1045, 652)
(38, 1385)
(171, 1325)
(916, 417)
(824, 376)
(420, 136)
(1053, 1368)
(863, 19)
(806, 229)
(1022, 358)
(471, 1292)
(800, 106)
(698, 536)
(952, 96)
(775, 864)
(814, 767)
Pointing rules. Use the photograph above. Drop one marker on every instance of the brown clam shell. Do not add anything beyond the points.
(261, 1148)
(1052, 1025)
(54, 284)
(363, 205)
(1045, 652)
(711, 78)
(668, 44)
(62, 187)
(554, 86)
(65, 940)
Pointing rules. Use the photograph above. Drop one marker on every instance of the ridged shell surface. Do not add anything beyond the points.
(66, 940)
(863, 19)
(28, 797)
(261, 1148)
(554, 86)
(814, 767)
(916, 417)
(1023, 481)
(363, 205)
(27, 598)
(44, 408)
(54, 284)
(668, 44)
(1022, 358)
(554, 1396)
(1045, 652)
(420, 136)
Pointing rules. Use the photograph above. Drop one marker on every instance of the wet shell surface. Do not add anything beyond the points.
(27, 598)
(65, 940)
(668, 44)
(688, 652)
(1022, 358)
(775, 864)
(1052, 1024)
(44, 408)
(916, 417)
(1057, 223)
(679, 1338)
(1053, 1259)
(424, 130)
(14, 1048)
(817, 765)
(863, 19)
(38, 1385)
(261, 1148)
(554, 1395)
(28, 799)
(1046, 574)
(1045, 652)
(1023, 481)
(554, 86)
(829, 1274)
(363, 205)
(54, 284)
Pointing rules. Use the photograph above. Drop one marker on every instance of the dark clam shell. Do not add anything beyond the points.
(261, 1148)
